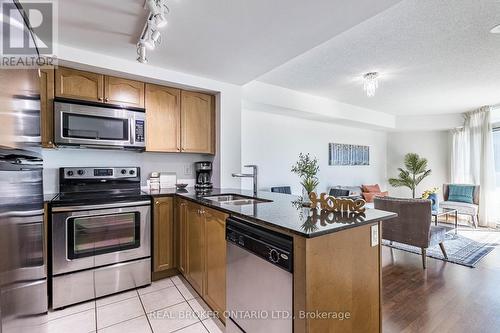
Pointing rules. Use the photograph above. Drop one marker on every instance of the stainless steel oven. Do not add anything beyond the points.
(98, 125)
(101, 248)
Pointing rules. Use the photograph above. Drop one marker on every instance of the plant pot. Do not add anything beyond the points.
(305, 197)
(435, 201)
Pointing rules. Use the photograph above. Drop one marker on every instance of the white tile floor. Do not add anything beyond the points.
(169, 305)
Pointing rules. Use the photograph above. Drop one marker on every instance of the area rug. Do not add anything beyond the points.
(466, 248)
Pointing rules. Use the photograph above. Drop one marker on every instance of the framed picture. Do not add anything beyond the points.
(344, 154)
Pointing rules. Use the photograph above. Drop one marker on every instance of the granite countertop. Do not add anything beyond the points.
(284, 211)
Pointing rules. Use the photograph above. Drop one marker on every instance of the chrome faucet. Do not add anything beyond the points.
(249, 175)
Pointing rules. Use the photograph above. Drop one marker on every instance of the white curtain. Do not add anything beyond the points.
(472, 161)
(460, 157)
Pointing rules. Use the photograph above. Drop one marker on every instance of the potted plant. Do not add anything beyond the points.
(431, 194)
(415, 172)
(307, 169)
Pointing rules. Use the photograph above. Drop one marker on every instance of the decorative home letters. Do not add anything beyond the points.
(332, 204)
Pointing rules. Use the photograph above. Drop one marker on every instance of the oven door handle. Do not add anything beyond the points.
(104, 206)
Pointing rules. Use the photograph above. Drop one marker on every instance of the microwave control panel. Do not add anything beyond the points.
(139, 131)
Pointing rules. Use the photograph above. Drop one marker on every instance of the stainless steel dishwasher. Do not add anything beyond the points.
(259, 279)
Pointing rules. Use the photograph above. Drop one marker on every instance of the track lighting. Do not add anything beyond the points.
(151, 36)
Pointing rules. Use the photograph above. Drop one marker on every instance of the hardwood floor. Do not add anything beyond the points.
(443, 298)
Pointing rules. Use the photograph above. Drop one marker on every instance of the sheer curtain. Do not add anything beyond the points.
(472, 161)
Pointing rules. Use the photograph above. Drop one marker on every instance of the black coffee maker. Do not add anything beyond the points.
(203, 175)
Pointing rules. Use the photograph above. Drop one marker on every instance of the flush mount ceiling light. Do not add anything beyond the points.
(370, 83)
(495, 29)
(151, 36)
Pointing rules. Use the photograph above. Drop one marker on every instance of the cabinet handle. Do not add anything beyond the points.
(106, 100)
(100, 99)
(157, 202)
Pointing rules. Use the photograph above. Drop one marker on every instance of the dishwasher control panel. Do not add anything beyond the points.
(268, 245)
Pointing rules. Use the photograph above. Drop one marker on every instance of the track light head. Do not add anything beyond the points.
(141, 52)
(160, 20)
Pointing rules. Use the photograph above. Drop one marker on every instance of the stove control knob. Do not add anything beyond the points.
(80, 172)
(70, 173)
(123, 171)
(274, 256)
(132, 172)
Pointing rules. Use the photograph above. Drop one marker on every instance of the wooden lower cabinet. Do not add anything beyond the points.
(215, 260)
(181, 219)
(195, 230)
(202, 251)
(164, 252)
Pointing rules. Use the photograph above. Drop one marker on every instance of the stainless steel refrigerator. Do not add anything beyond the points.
(23, 274)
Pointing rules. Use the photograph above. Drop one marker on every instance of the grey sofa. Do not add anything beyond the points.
(412, 226)
(471, 209)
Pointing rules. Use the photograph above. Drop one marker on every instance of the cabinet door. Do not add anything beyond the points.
(182, 218)
(215, 240)
(72, 83)
(162, 118)
(123, 92)
(195, 247)
(164, 251)
(47, 107)
(197, 123)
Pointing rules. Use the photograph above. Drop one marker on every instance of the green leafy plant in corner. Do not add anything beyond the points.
(415, 171)
(307, 168)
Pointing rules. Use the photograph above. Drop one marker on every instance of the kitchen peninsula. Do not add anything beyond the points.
(336, 256)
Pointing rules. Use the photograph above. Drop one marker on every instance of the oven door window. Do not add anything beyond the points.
(94, 235)
(80, 126)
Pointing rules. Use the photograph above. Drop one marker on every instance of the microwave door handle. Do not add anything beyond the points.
(132, 130)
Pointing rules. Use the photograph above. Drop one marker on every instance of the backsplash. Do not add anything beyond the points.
(181, 164)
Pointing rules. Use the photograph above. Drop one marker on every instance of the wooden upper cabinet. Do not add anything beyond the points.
(47, 107)
(76, 84)
(215, 258)
(197, 123)
(123, 92)
(195, 234)
(164, 252)
(162, 118)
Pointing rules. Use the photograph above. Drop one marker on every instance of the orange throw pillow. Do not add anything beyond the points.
(371, 188)
(369, 196)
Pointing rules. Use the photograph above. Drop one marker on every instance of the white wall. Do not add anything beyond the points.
(273, 142)
(433, 145)
(267, 97)
(66, 157)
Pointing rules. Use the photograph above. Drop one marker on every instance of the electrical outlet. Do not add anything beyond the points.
(188, 169)
(374, 230)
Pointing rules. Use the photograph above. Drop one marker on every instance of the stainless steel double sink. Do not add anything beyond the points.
(235, 199)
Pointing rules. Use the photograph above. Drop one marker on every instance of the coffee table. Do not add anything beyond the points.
(445, 212)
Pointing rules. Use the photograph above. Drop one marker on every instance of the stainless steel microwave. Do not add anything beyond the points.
(95, 125)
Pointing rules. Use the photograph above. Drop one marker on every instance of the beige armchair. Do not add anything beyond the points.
(471, 209)
(412, 226)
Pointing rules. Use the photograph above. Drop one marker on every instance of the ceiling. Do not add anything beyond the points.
(229, 40)
(435, 57)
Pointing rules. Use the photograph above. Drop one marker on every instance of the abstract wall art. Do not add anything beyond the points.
(345, 154)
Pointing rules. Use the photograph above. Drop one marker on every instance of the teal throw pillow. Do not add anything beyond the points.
(461, 193)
